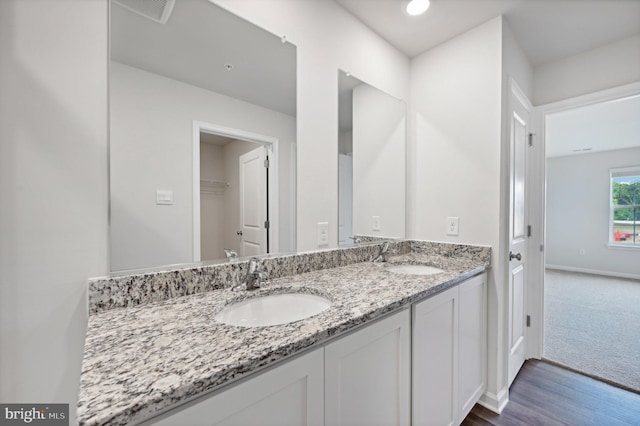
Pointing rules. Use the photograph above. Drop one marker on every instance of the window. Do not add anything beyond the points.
(624, 199)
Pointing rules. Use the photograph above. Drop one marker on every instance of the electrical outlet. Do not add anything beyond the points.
(323, 233)
(452, 226)
(375, 225)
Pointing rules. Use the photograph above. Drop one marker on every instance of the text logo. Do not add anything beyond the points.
(34, 414)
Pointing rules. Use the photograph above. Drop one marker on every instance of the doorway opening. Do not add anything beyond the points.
(235, 192)
(591, 275)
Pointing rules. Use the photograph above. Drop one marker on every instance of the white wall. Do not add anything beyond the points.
(578, 213)
(379, 162)
(456, 107)
(327, 39)
(151, 127)
(609, 66)
(53, 181)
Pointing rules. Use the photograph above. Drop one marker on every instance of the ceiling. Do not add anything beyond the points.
(547, 30)
(594, 128)
(200, 38)
(196, 43)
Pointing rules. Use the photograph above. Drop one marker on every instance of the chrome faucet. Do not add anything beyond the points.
(384, 253)
(356, 240)
(230, 254)
(256, 277)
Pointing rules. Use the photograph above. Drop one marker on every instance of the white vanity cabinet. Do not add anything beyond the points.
(289, 394)
(423, 366)
(367, 375)
(449, 347)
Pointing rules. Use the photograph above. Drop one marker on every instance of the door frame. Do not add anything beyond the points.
(537, 202)
(271, 143)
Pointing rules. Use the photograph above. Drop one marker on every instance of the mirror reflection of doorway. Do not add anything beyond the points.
(234, 196)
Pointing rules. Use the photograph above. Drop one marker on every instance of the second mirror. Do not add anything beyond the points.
(371, 162)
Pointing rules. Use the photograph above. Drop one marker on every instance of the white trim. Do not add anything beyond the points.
(493, 402)
(294, 195)
(631, 247)
(270, 143)
(593, 271)
(537, 181)
(519, 94)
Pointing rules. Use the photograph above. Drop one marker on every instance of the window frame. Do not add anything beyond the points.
(616, 173)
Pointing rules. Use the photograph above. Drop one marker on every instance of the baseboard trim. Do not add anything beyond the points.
(592, 271)
(493, 402)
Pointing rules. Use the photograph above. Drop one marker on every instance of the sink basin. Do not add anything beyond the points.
(274, 309)
(414, 269)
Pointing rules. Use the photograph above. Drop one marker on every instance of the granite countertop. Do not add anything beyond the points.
(140, 360)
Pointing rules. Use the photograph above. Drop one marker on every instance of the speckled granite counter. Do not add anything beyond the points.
(142, 359)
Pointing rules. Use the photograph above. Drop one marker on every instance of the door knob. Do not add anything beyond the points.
(517, 256)
(238, 232)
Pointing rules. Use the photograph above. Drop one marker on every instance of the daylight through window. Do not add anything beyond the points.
(625, 207)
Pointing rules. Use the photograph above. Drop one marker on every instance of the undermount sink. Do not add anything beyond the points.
(274, 309)
(414, 269)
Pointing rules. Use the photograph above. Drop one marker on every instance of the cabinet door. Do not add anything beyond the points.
(367, 375)
(435, 341)
(472, 343)
(290, 394)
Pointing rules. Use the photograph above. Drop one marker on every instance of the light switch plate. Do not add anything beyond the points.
(164, 197)
(375, 224)
(323, 233)
(452, 226)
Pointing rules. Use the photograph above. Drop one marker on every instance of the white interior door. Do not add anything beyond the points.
(253, 203)
(519, 135)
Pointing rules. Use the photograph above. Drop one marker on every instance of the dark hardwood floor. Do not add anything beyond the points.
(544, 394)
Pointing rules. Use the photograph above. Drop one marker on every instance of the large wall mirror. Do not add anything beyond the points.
(202, 136)
(371, 162)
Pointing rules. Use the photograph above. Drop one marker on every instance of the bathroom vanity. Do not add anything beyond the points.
(395, 345)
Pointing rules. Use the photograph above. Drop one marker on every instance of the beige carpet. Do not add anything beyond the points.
(592, 325)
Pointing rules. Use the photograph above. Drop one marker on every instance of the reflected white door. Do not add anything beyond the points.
(519, 130)
(345, 199)
(253, 202)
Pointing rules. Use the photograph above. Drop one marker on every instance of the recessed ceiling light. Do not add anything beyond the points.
(228, 67)
(415, 7)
